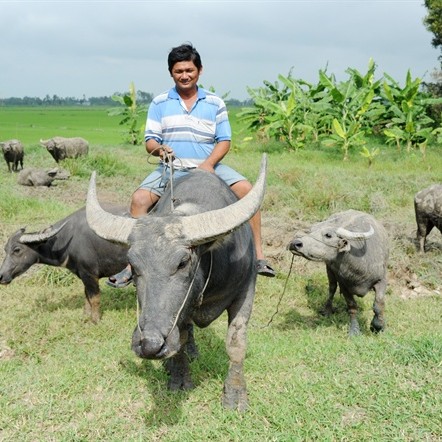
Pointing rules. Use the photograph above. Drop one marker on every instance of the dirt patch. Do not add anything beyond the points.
(6, 353)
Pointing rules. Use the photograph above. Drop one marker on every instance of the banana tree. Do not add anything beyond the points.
(281, 123)
(409, 123)
(370, 154)
(292, 111)
(352, 100)
(345, 136)
(131, 113)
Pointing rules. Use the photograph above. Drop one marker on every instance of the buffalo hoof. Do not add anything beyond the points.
(177, 383)
(179, 373)
(235, 398)
(377, 325)
(354, 329)
(92, 312)
(327, 311)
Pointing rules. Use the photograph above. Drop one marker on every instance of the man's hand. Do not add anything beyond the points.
(207, 166)
(166, 153)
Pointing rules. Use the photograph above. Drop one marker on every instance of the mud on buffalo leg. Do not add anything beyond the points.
(235, 391)
(352, 308)
(378, 321)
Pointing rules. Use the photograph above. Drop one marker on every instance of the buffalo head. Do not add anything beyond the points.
(325, 241)
(19, 255)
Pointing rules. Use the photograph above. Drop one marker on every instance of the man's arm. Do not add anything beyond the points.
(218, 153)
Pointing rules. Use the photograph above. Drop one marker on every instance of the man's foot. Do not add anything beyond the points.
(122, 279)
(264, 269)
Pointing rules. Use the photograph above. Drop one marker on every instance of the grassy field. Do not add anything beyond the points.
(66, 379)
(32, 124)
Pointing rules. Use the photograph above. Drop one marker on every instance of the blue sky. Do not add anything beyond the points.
(95, 48)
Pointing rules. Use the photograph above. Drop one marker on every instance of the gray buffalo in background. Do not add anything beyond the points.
(32, 176)
(61, 148)
(13, 153)
(193, 258)
(69, 243)
(354, 247)
(428, 211)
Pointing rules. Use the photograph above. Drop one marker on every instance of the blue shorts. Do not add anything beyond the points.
(156, 182)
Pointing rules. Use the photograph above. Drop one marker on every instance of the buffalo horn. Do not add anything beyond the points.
(104, 224)
(207, 226)
(44, 235)
(196, 229)
(347, 234)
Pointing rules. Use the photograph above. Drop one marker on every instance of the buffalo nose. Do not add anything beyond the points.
(296, 244)
(150, 344)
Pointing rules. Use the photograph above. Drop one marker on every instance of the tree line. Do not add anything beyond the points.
(143, 98)
(55, 100)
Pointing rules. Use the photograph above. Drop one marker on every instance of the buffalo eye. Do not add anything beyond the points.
(16, 250)
(183, 263)
(328, 235)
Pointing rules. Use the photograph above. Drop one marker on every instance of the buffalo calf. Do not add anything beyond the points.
(354, 247)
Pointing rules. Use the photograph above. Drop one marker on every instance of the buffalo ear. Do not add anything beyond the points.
(343, 245)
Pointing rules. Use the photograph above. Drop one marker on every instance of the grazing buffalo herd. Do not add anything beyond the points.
(193, 259)
(60, 148)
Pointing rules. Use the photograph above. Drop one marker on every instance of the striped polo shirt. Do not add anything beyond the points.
(192, 135)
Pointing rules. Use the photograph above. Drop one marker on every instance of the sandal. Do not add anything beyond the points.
(264, 269)
(120, 280)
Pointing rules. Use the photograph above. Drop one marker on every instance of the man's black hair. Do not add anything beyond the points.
(184, 52)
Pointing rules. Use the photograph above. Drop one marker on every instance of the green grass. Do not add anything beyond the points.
(66, 379)
(30, 124)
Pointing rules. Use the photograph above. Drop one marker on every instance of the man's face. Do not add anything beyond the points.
(185, 75)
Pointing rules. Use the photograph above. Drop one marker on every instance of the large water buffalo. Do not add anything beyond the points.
(13, 153)
(354, 247)
(428, 211)
(69, 243)
(193, 258)
(61, 148)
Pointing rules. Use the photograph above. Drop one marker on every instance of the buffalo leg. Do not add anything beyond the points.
(178, 367)
(328, 309)
(235, 391)
(352, 308)
(424, 227)
(191, 347)
(92, 302)
(378, 321)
